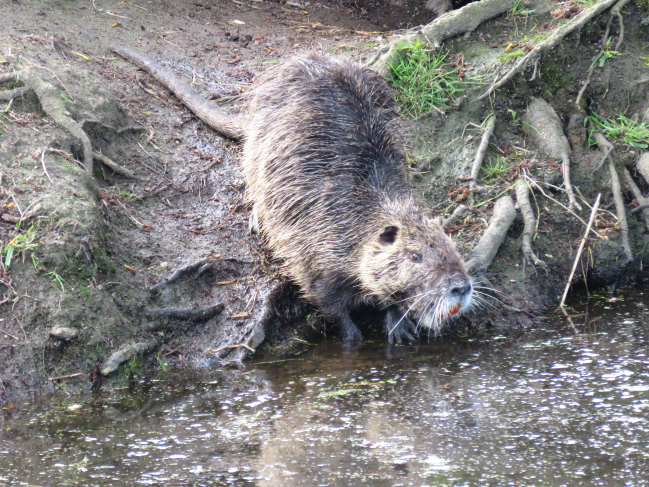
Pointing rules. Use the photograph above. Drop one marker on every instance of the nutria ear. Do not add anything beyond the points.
(389, 235)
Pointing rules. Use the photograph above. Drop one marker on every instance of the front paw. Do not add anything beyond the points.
(399, 328)
(352, 334)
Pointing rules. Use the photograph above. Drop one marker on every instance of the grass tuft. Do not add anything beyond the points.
(422, 79)
(620, 128)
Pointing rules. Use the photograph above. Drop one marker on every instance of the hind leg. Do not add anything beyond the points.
(398, 326)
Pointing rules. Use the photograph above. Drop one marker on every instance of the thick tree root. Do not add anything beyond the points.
(116, 167)
(126, 353)
(547, 133)
(620, 210)
(457, 22)
(523, 198)
(196, 315)
(534, 56)
(643, 166)
(485, 250)
(200, 266)
(479, 156)
(637, 194)
(53, 105)
(227, 125)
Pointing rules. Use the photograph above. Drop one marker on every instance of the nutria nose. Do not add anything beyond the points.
(461, 290)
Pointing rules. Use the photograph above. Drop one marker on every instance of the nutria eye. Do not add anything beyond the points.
(415, 257)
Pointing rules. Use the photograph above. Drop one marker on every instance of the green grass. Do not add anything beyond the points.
(519, 10)
(494, 168)
(19, 242)
(513, 55)
(422, 79)
(622, 129)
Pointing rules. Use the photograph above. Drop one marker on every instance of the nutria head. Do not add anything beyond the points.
(411, 262)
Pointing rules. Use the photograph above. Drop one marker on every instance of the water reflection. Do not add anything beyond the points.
(553, 408)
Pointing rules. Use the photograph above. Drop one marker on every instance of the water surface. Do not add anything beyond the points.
(549, 407)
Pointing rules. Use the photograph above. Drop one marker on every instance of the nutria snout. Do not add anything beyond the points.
(326, 172)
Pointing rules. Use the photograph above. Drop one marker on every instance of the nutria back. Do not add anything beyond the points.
(325, 165)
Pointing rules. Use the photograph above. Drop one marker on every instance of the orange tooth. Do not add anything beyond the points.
(454, 309)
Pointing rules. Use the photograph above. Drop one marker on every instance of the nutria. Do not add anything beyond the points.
(326, 172)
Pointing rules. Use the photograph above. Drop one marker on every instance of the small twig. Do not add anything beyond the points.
(562, 205)
(240, 345)
(116, 167)
(69, 376)
(479, 156)
(43, 164)
(593, 213)
(7, 333)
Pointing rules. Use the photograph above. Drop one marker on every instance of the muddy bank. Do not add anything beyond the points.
(89, 259)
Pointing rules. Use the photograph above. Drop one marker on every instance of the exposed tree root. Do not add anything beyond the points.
(643, 166)
(534, 56)
(53, 105)
(8, 95)
(593, 213)
(200, 266)
(637, 194)
(603, 144)
(457, 22)
(479, 156)
(485, 250)
(523, 198)
(547, 132)
(458, 213)
(640, 208)
(620, 210)
(197, 315)
(225, 124)
(616, 11)
(125, 353)
(116, 167)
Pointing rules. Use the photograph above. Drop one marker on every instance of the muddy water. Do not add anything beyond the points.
(549, 407)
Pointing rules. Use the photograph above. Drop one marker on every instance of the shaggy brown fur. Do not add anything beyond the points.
(325, 167)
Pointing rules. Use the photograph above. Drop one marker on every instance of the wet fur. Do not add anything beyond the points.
(325, 167)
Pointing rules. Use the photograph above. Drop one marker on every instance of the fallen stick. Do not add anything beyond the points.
(479, 156)
(116, 167)
(201, 314)
(551, 42)
(523, 198)
(580, 250)
(225, 124)
(620, 210)
(485, 250)
(69, 376)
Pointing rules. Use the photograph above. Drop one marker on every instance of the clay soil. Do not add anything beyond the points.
(104, 241)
